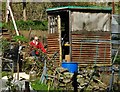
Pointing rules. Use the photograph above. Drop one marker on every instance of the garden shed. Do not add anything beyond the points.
(80, 34)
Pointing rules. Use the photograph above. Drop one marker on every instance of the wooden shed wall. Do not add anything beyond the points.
(91, 47)
(53, 46)
(5, 34)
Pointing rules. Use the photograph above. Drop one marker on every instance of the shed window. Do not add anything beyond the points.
(52, 24)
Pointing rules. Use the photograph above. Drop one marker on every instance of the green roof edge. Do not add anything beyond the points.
(79, 7)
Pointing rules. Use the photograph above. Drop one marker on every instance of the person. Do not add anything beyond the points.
(35, 45)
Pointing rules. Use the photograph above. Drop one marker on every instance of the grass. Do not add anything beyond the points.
(40, 87)
(37, 85)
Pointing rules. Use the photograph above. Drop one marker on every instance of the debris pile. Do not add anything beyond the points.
(86, 79)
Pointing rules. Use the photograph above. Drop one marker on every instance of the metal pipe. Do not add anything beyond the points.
(13, 21)
(113, 7)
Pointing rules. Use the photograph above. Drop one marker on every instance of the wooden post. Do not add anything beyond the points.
(18, 68)
(18, 58)
(59, 31)
(27, 87)
(70, 35)
(49, 25)
(0, 61)
(113, 7)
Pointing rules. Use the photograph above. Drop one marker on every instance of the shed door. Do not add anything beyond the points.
(53, 38)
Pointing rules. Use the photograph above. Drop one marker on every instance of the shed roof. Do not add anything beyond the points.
(79, 7)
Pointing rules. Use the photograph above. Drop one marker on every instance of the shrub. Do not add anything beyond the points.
(26, 25)
(117, 59)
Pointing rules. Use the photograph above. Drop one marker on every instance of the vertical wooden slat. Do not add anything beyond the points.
(48, 24)
(59, 31)
(70, 36)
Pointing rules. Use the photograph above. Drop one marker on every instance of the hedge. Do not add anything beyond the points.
(26, 25)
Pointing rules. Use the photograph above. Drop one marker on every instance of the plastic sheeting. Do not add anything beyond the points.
(115, 27)
(90, 21)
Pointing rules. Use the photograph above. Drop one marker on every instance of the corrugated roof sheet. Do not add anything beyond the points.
(79, 7)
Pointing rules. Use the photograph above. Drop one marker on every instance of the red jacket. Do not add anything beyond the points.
(39, 45)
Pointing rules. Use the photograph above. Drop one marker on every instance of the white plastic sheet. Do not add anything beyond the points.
(90, 21)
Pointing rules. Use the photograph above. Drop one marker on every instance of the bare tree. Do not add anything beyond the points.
(24, 10)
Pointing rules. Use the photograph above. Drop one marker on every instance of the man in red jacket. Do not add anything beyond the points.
(35, 45)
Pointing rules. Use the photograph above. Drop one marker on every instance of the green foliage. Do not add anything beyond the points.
(5, 73)
(117, 7)
(8, 26)
(117, 61)
(40, 25)
(0, 24)
(5, 44)
(26, 25)
(20, 38)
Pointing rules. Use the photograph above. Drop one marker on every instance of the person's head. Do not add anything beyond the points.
(36, 38)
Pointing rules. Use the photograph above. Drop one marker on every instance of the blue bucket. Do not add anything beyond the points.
(71, 66)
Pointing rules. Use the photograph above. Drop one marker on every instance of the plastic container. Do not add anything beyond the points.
(71, 66)
(32, 75)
